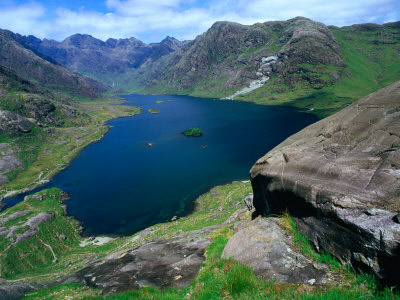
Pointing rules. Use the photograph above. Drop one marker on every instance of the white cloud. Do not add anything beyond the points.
(151, 20)
(24, 19)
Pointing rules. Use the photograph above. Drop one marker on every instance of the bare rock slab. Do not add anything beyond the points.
(158, 263)
(340, 179)
(12, 122)
(263, 246)
(15, 291)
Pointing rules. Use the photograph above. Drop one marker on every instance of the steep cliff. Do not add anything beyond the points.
(340, 179)
(230, 56)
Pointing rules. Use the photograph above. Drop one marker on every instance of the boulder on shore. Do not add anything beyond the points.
(340, 180)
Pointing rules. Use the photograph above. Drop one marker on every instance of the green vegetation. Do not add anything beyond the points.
(46, 152)
(226, 279)
(211, 208)
(54, 238)
(56, 249)
(153, 111)
(64, 291)
(196, 132)
(372, 60)
(218, 279)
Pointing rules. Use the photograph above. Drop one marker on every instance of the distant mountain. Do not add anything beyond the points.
(102, 60)
(229, 56)
(25, 63)
(295, 62)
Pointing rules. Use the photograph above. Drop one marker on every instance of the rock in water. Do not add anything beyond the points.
(340, 180)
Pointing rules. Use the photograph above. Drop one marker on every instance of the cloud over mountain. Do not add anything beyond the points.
(154, 19)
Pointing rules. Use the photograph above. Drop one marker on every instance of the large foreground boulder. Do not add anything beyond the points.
(340, 180)
(266, 248)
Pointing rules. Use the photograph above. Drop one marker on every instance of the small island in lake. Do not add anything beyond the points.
(196, 132)
(153, 111)
(159, 101)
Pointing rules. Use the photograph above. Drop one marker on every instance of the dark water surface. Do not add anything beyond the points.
(119, 185)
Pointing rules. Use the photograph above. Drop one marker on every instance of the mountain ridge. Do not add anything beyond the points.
(85, 54)
(28, 65)
(317, 67)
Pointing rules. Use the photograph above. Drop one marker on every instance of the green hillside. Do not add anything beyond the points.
(372, 56)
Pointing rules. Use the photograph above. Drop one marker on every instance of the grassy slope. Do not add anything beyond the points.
(218, 278)
(211, 84)
(45, 153)
(371, 66)
(33, 253)
(206, 214)
(372, 59)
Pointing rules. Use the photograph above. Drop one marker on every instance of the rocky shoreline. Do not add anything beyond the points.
(48, 174)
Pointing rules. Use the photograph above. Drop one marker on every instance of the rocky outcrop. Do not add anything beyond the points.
(15, 291)
(9, 160)
(309, 43)
(33, 224)
(159, 263)
(13, 123)
(340, 179)
(266, 248)
(14, 216)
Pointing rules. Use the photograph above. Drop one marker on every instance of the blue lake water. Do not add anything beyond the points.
(120, 185)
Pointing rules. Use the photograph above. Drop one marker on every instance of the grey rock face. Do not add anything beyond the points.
(42, 217)
(32, 223)
(3, 230)
(3, 179)
(11, 122)
(9, 160)
(14, 216)
(340, 179)
(10, 163)
(15, 291)
(263, 246)
(159, 263)
(86, 54)
(307, 42)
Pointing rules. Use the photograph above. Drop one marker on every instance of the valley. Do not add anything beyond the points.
(104, 197)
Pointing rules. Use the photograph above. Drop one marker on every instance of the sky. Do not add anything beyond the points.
(152, 20)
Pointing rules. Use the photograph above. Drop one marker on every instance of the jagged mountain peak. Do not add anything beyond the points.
(83, 41)
(172, 43)
(20, 57)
